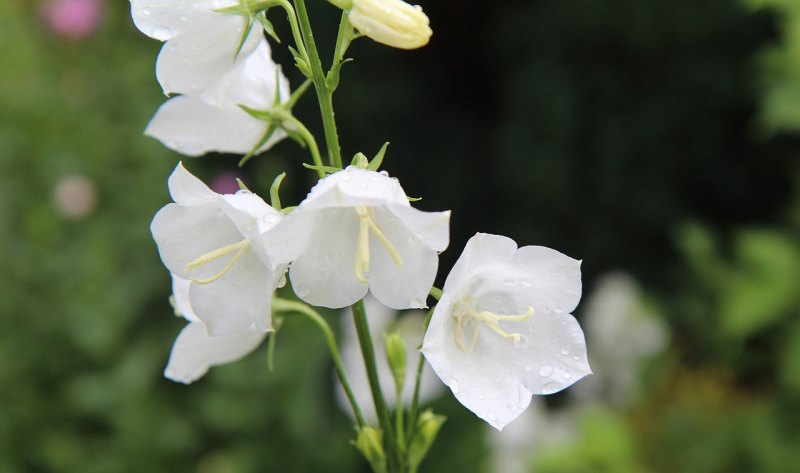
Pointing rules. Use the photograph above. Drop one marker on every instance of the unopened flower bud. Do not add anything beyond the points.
(396, 356)
(391, 22)
(370, 443)
(428, 426)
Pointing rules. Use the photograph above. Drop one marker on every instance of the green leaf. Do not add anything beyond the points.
(376, 162)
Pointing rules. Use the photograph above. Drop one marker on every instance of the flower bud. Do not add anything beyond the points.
(391, 22)
(396, 356)
(370, 443)
(428, 426)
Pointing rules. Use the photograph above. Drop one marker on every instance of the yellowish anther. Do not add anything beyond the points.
(366, 223)
(238, 249)
(466, 314)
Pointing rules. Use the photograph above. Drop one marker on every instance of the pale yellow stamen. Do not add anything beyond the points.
(239, 248)
(366, 223)
(466, 314)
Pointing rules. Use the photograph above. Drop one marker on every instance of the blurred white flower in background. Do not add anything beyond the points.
(622, 334)
(411, 326)
(535, 430)
(75, 196)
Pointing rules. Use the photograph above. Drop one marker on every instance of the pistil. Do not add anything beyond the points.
(367, 224)
(466, 314)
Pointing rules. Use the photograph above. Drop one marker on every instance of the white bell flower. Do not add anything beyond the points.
(216, 241)
(195, 351)
(356, 231)
(193, 126)
(201, 44)
(502, 329)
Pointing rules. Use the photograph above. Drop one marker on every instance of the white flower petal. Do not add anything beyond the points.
(481, 249)
(432, 228)
(180, 294)
(184, 233)
(253, 218)
(355, 187)
(482, 379)
(186, 189)
(324, 274)
(194, 351)
(163, 20)
(406, 286)
(192, 127)
(552, 353)
(555, 277)
(201, 62)
(239, 299)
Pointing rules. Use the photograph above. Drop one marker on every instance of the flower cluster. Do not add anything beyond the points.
(501, 330)
(217, 61)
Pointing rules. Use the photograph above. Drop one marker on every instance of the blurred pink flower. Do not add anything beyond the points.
(75, 19)
(225, 183)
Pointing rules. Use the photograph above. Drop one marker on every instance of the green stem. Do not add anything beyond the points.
(298, 37)
(324, 93)
(368, 352)
(299, 307)
(309, 139)
(414, 409)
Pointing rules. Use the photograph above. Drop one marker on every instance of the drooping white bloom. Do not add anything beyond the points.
(356, 232)
(391, 22)
(623, 333)
(502, 329)
(195, 351)
(216, 241)
(201, 44)
(193, 126)
(411, 326)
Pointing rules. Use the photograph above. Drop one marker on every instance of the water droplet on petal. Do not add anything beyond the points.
(146, 12)
(529, 368)
(565, 351)
(545, 371)
(567, 375)
(161, 33)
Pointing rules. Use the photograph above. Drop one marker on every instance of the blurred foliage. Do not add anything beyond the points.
(626, 133)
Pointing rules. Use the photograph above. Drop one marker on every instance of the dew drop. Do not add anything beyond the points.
(567, 375)
(529, 368)
(146, 11)
(161, 33)
(545, 371)
(565, 351)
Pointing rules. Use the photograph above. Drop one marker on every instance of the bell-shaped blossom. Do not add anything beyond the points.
(216, 241)
(410, 326)
(201, 44)
(356, 231)
(195, 351)
(194, 126)
(623, 334)
(502, 329)
(391, 22)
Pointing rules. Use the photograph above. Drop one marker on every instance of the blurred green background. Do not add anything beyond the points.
(657, 139)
